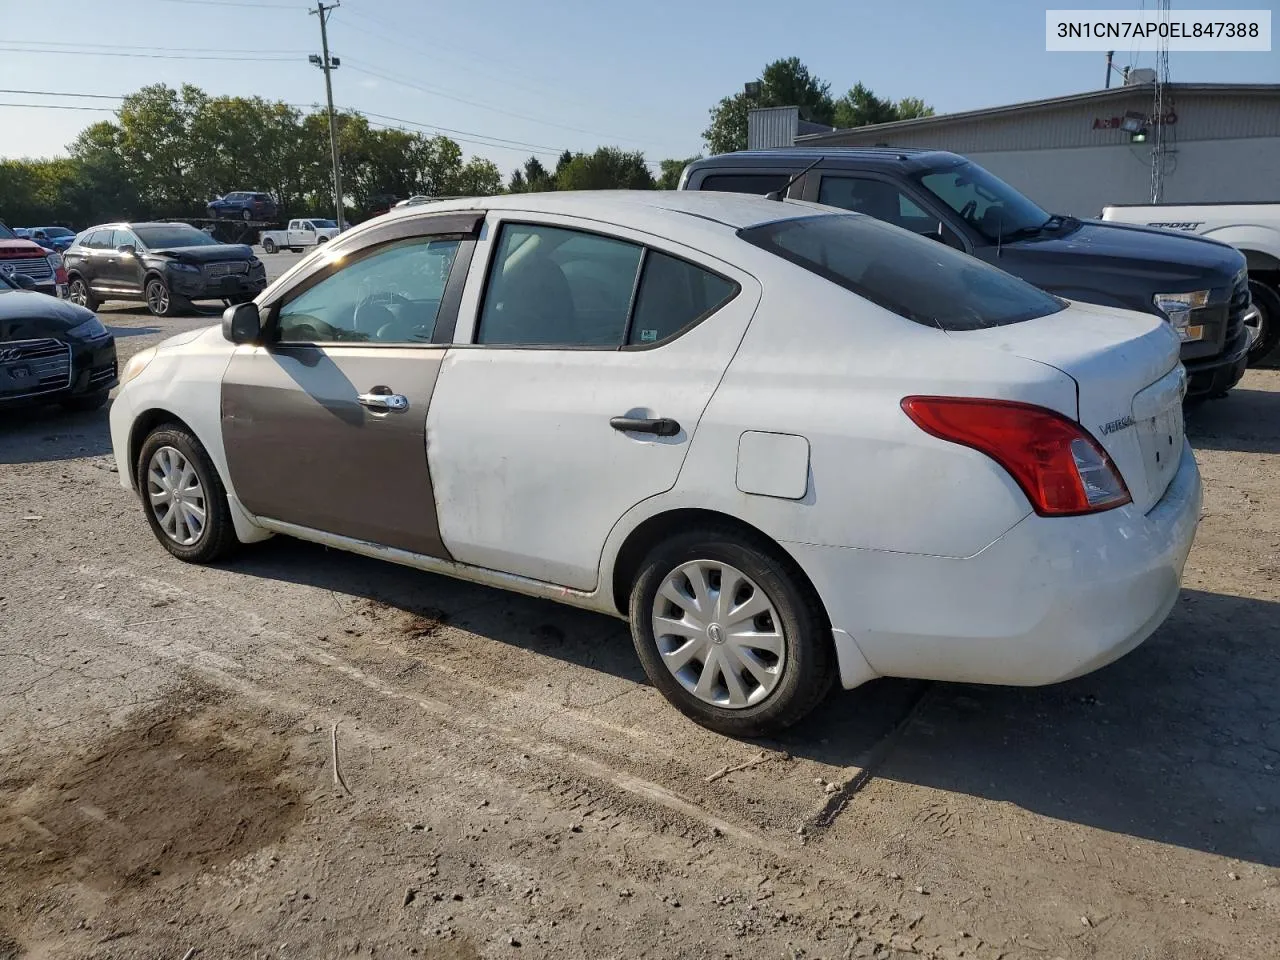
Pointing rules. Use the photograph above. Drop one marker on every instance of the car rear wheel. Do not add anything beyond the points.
(269, 245)
(1266, 331)
(183, 496)
(78, 292)
(246, 214)
(730, 632)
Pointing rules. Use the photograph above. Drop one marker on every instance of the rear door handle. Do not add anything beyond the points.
(662, 426)
(375, 400)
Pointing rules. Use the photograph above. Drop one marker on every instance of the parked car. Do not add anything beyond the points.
(51, 351)
(789, 443)
(164, 265)
(299, 235)
(1199, 286)
(1254, 230)
(243, 205)
(24, 257)
(52, 238)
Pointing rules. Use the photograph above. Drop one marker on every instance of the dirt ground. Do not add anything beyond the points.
(514, 788)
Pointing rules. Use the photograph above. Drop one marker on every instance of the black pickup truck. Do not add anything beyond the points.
(1200, 286)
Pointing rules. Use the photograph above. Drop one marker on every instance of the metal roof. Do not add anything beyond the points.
(1047, 103)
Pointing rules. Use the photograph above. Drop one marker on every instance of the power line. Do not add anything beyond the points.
(239, 3)
(57, 106)
(150, 56)
(83, 46)
(484, 106)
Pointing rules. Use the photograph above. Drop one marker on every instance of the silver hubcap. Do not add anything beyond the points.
(77, 295)
(157, 297)
(176, 496)
(1254, 322)
(719, 634)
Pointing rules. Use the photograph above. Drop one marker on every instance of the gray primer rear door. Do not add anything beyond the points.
(302, 449)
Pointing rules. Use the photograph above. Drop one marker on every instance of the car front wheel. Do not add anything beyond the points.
(160, 299)
(730, 632)
(269, 245)
(183, 496)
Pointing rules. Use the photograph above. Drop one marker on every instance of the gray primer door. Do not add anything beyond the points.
(302, 449)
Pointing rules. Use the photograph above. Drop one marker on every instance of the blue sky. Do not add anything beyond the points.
(566, 74)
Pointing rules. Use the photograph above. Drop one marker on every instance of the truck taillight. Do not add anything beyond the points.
(1059, 466)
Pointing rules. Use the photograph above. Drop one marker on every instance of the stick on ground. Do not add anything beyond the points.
(338, 781)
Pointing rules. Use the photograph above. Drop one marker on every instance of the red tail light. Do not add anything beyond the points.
(1059, 466)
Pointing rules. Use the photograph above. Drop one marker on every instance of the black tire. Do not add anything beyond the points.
(85, 402)
(269, 245)
(246, 215)
(1266, 349)
(809, 668)
(167, 305)
(322, 240)
(86, 297)
(218, 536)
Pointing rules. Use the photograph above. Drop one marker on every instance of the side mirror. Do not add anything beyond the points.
(241, 323)
(22, 280)
(127, 248)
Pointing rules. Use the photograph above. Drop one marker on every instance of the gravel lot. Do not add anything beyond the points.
(514, 788)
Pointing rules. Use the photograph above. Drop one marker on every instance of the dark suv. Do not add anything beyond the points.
(243, 205)
(1199, 285)
(164, 265)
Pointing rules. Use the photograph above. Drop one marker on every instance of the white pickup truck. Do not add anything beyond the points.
(1254, 230)
(298, 235)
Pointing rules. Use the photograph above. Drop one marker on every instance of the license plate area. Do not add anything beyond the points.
(1157, 414)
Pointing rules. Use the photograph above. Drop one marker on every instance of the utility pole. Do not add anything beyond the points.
(1110, 54)
(328, 65)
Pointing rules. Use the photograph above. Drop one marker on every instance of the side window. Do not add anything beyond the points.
(98, 240)
(759, 183)
(549, 286)
(876, 198)
(121, 238)
(392, 295)
(674, 294)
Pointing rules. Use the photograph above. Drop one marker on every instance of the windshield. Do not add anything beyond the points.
(57, 232)
(985, 202)
(6, 233)
(913, 276)
(324, 223)
(161, 236)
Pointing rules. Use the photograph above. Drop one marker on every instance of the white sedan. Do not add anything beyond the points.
(791, 445)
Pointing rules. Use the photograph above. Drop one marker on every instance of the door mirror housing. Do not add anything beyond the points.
(241, 323)
(22, 280)
(127, 248)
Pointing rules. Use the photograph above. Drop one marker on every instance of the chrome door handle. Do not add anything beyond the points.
(383, 401)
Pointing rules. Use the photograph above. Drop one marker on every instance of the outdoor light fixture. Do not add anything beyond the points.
(1133, 122)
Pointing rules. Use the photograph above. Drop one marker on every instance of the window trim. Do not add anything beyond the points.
(457, 277)
(624, 346)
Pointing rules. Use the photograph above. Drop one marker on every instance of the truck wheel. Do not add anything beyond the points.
(269, 245)
(1264, 351)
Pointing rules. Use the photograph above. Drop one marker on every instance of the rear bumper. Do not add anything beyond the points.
(1052, 599)
(1218, 374)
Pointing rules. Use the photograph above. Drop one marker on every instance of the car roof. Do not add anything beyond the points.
(909, 159)
(730, 211)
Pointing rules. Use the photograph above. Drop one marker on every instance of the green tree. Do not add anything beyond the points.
(860, 106)
(783, 83)
(517, 183)
(911, 107)
(478, 177)
(609, 168)
(670, 170)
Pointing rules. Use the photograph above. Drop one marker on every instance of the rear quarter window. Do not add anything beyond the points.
(758, 183)
(917, 278)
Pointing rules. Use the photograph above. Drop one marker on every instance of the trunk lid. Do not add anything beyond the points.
(1129, 384)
